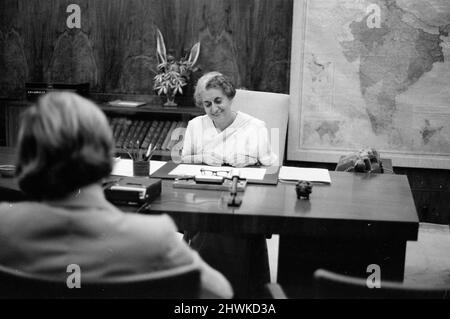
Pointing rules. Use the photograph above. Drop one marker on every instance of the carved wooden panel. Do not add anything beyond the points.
(115, 48)
(12, 123)
(247, 40)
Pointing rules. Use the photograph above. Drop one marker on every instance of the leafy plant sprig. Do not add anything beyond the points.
(173, 75)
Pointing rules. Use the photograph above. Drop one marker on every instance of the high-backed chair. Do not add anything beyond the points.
(181, 282)
(332, 285)
(273, 109)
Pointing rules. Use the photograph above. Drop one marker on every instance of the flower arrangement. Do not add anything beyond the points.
(173, 74)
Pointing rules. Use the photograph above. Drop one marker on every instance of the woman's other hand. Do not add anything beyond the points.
(239, 160)
(212, 159)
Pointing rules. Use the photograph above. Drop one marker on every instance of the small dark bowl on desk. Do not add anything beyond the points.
(7, 170)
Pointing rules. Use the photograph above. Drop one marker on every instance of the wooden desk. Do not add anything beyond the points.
(358, 220)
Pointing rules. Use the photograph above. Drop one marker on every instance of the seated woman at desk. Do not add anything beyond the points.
(225, 137)
(65, 149)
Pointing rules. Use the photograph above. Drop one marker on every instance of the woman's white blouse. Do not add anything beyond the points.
(245, 142)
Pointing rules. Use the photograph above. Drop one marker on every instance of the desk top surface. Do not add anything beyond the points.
(371, 201)
(350, 196)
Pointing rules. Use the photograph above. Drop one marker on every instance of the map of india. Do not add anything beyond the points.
(377, 73)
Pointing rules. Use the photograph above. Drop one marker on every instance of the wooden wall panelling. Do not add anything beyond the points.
(13, 124)
(126, 42)
(3, 119)
(247, 40)
(14, 68)
(115, 48)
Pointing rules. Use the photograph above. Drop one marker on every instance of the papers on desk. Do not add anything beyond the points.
(252, 173)
(193, 170)
(124, 167)
(314, 175)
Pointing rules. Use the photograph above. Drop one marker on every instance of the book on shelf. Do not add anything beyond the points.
(121, 127)
(124, 132)
(168, 135)
(148, 136)
(135, 135)
(128, 142)
(142, 134)
(163, 135)
(175, 137)
(113, 123)
(156, 133)
(117, 127)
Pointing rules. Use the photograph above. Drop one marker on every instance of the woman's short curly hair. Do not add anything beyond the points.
(213, 80)
(65, 143)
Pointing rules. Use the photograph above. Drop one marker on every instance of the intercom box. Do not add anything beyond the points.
(133, 191)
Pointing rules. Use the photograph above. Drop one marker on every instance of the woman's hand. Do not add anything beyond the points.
(212, 159)
(208, 158)
(240, 160)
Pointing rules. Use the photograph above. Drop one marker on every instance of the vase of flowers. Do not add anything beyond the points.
(173, 74)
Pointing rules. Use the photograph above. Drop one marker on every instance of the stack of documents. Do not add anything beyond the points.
(314, 175)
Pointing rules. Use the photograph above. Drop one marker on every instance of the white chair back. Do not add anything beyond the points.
(273, 109)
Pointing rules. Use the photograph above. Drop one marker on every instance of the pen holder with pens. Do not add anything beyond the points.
(141, 168)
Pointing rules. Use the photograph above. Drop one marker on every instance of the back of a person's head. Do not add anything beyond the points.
(65, 143)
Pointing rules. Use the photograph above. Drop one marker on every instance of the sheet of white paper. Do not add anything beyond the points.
(253, 173)
(192, 170)
(124, 167)
(319, 175)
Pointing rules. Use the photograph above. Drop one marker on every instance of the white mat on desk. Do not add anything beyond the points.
(124, 167)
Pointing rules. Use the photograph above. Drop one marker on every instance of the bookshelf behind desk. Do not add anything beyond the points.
(128, 123)
(148, 124)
